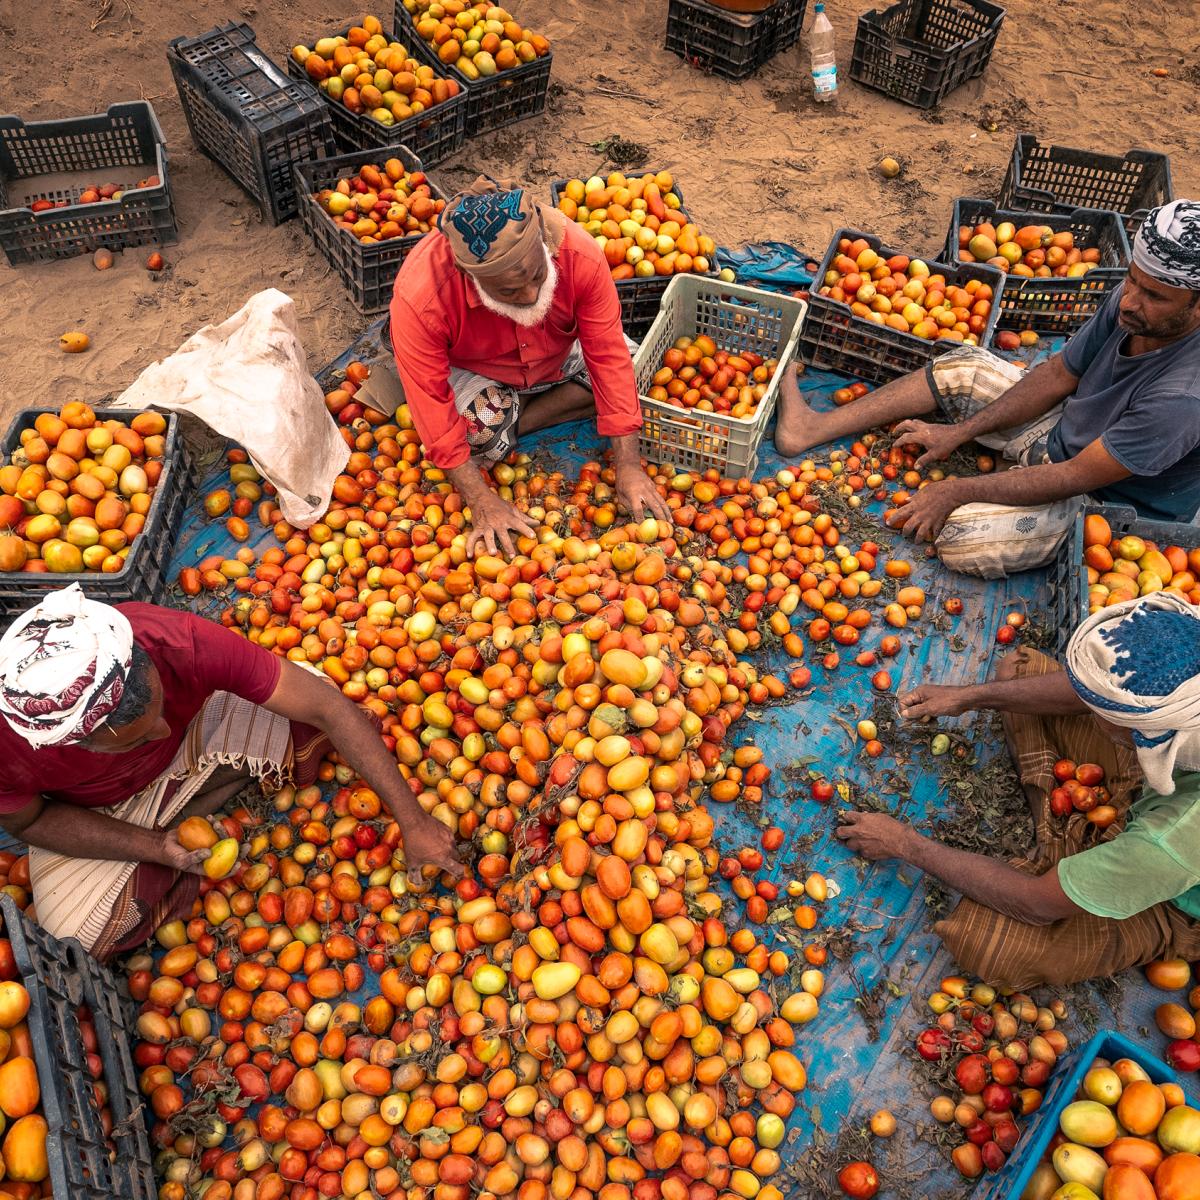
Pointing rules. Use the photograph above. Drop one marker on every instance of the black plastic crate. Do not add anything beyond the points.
(112, 1015)
(434, 134)
(367, 269)
(247, 116)
(1068, 578)
(1052, 304)
(144, 576)
(1056, 179)
(640, 298)
(728, 43)
(919, 51)
(834, 338)
(491, 103)
(45, 160)
(59, 978)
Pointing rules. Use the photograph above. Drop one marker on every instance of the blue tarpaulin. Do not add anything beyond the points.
(854, 1067)
(774, 265)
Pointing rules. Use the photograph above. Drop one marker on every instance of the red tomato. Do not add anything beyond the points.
(1060, 802)
(1064, 769)
(858, 1180)
(932, 1043)
(1184, 1055)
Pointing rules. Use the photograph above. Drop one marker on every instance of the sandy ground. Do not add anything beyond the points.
(758, 160)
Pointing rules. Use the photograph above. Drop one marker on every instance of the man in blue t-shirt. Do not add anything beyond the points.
(1115, 415)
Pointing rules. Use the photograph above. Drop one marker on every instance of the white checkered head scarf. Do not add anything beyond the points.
(1167, 246)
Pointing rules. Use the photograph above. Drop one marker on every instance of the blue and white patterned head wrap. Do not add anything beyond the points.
(492, 226)
(1167, 246)
(1137, 665)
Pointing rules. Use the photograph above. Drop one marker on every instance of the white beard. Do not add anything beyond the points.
(526, 315)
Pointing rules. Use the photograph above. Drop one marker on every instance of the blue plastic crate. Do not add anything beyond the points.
(1011, 1180)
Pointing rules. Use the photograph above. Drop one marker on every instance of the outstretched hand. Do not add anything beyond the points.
(873, 836)
(934, 700)
(639, 495)
(427, 842)
(493, 522)
(926, 512)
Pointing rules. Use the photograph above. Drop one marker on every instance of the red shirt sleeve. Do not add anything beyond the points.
(424, 369)
(602, 340)
(225, 662)
(13, 802)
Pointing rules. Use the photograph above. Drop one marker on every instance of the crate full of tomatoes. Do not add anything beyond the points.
(876, 313)
(1111, 555)
(503, 67)
(378, 93)
(367, 216)
(647, 236)
(708, 373)
(89, 496)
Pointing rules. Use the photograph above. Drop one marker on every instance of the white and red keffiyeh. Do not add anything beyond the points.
(62, 668)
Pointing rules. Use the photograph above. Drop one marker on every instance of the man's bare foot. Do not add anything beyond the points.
(798, 427)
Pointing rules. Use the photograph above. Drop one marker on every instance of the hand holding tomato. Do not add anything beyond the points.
(940, 441)
(639, 495)
(173, 854)
(427, 842)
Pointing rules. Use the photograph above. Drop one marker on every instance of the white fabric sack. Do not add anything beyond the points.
(247, 378)
(997, 540)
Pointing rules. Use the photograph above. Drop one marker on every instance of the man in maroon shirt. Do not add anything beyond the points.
(506, 320)
(120, 721)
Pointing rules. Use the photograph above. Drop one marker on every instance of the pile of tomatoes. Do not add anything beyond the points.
(1081, 789)
(576, 1019)
(1177, 1022)
(696, 373)
(1001, 1053)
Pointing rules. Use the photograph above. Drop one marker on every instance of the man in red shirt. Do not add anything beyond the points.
(120, 721)
(506, 320)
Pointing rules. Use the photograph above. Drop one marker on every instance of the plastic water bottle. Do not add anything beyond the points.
(824, 62)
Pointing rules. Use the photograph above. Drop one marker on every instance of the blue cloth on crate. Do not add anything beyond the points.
(772, 265)
(1145, 409)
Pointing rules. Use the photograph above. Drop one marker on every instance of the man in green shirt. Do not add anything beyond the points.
(1087, 902)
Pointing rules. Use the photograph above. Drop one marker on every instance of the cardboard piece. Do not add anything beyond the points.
(383, 390)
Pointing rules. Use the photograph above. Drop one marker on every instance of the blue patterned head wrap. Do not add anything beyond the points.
(1137, 665)
(491, 226)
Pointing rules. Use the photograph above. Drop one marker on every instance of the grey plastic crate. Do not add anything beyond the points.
(60, 977)
(247, 116)
(736, 317)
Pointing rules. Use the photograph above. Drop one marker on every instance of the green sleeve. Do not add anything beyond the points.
(1124, 877)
